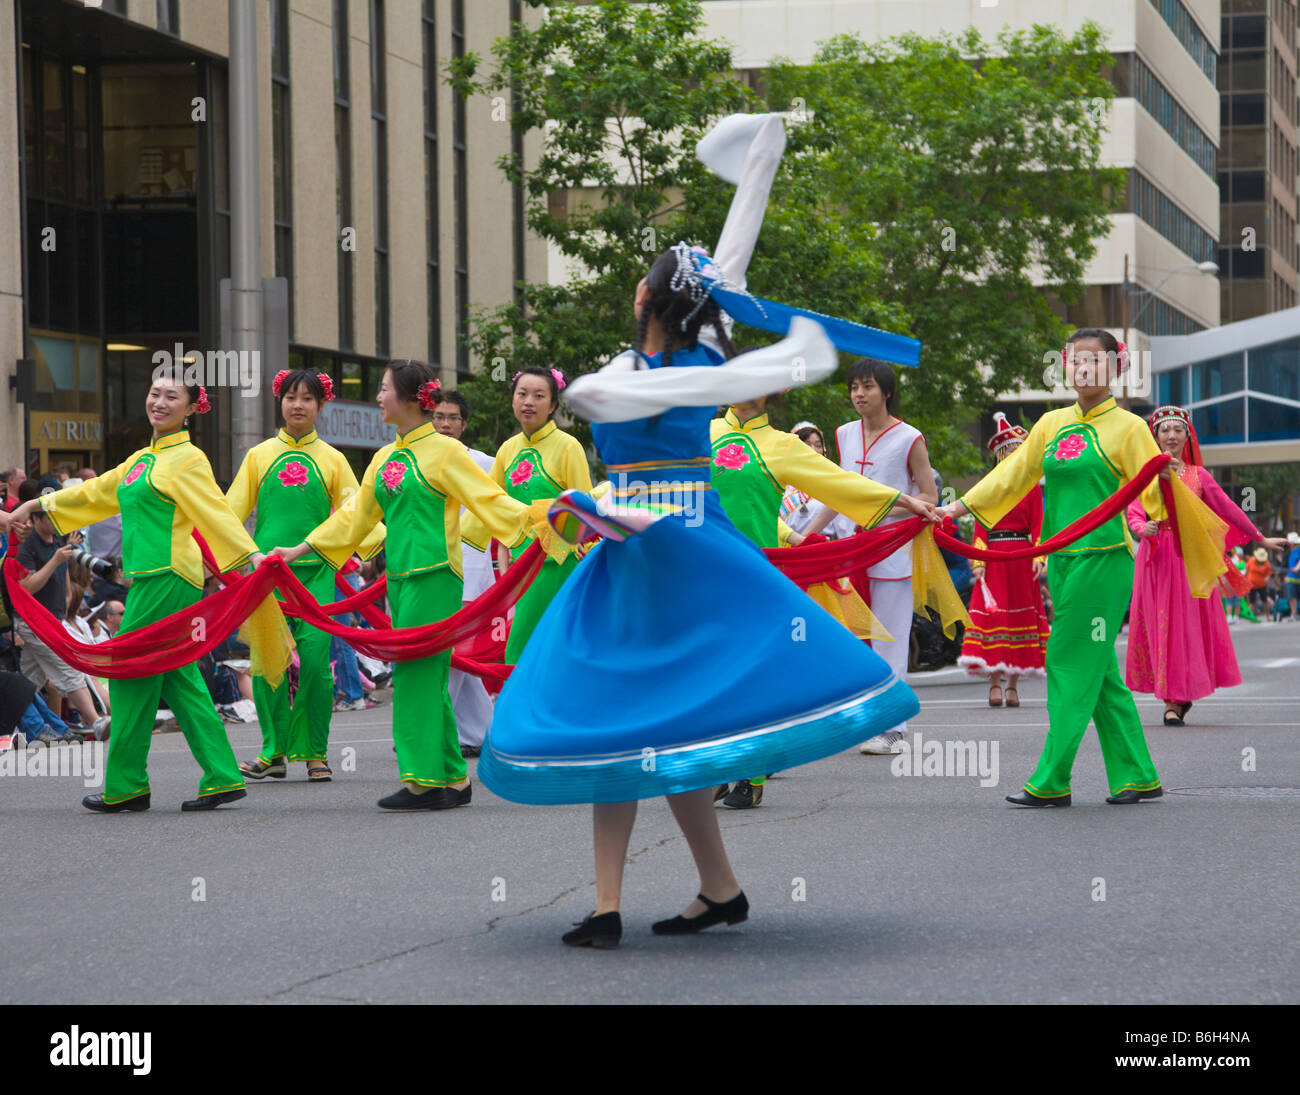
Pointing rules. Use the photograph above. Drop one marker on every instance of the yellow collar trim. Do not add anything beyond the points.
(544, 432)
(756, 423)
(424, 429)
(296, 443)
(170, 440)
(1107, 404)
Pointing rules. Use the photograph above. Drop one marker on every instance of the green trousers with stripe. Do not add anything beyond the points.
(424, 725)
(135, 704)
(529, 607)
(1090, 593)
(301, 730)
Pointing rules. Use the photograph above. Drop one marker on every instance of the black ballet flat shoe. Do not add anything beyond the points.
(211, 802)
(1024, 798)
(1131, 797)
(745, 796)
(1173, 719)
(447, 798)
(440, 798)
(134, 805)
(734, 911)
(1184, 709)
(602, 932)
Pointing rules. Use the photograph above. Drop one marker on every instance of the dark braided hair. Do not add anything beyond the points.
(670, 308)
(407, 377)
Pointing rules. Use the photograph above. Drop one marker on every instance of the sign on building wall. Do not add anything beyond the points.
(66, 430)
(347, 424)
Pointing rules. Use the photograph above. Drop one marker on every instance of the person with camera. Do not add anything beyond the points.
(45, 556)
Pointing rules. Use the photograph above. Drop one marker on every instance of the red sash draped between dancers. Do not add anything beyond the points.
(474, 632)
(185, 636)
(832, 559)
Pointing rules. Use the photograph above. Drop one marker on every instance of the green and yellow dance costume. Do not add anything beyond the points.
(1085, 459)
(535, 468)
(294, 485)
(753, 463)
(163, 492)
(416, 486)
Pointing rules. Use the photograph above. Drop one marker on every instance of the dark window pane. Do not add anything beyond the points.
(1273, 421)
(1275, 369)
(1248, 264)
(1221, 423)
(55, 131)
(1246, 110)
(88, 272)
(1218, 377)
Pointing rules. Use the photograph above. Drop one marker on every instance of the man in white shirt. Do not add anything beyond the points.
(469, 699)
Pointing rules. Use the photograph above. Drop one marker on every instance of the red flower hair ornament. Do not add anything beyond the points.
(326, 382)
(430, 394)
(202, 406)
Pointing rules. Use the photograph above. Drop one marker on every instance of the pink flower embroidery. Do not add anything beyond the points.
(1070, 447)
(392, 474)
(133, 474)
(522, 472)
(732, 457)
(293, 474)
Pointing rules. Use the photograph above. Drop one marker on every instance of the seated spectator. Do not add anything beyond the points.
(45, 557)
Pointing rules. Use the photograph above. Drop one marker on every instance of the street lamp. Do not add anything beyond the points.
(1127, 290)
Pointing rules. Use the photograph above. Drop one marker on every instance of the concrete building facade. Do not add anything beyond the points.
(381, 205)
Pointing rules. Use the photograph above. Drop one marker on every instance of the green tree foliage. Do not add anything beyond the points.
(622, 91)
(925, 184)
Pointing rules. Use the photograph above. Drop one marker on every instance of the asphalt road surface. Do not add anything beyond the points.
(865, 886)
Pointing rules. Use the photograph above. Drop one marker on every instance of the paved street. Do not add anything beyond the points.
(917, 889)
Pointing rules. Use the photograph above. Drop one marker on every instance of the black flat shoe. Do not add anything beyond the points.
(468, 751)
(134, 805)
(1024, 798)
(1185, 708)
(733, 912)
(1130, 797)
(1173, 719)
(745, 796)
(440, 798)
(602, 932)
(211, 802)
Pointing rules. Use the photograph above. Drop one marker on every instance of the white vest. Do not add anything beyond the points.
(885, 461)
(477, 564)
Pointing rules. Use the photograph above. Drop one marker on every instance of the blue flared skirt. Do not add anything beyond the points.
(677, 659)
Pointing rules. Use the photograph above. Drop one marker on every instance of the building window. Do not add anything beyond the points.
(1161, 105)
(281, 147)
(169, 16)
(346, 244)
(433, 274)
(1155, 207)
(1189, 34)
(379, 178)
(460, 197)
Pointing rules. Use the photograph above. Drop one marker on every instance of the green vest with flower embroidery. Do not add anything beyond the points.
(414, 512)
(539, 466)
(748, 491)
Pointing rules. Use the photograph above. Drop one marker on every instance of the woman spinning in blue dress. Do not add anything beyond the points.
(637, 681)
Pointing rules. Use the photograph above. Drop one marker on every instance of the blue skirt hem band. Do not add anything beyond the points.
(627, 777)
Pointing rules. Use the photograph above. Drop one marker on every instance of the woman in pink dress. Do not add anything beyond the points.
(1178, 645)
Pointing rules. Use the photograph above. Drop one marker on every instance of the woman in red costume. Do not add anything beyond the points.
(1008, 632)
